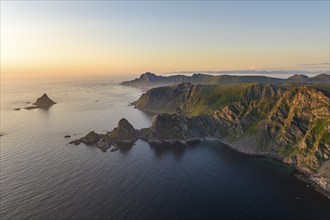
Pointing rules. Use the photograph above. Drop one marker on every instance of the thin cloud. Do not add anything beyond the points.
(316, 64)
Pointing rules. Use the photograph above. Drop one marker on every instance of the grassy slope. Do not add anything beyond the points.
(202, 99)
(285, 135)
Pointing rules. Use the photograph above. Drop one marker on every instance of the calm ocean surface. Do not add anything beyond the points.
(42, 177)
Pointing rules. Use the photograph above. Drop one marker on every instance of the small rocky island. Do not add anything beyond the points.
(42, 102)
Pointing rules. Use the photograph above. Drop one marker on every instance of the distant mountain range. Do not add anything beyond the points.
(254, 72)
(150, 80)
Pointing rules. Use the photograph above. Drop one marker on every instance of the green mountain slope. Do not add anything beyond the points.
(188, 98)
(289, 123)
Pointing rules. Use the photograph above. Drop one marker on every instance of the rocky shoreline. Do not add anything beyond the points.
(96, 139)
(318, 184)
(103, 142)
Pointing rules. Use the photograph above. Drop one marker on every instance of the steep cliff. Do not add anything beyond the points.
(292, 124)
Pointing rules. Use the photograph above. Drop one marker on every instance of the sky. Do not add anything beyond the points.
(81, 38)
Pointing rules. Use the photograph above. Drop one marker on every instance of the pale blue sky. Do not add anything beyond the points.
(163, 36)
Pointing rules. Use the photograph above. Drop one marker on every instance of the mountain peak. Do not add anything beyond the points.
(298, 76)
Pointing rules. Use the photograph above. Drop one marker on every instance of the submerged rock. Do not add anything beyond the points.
(90, 139)
(114, 149)
(30, 107)
(67, 136)
(75, 142)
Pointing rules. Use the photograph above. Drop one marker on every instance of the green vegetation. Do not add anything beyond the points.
(289, 120)
(192, 99)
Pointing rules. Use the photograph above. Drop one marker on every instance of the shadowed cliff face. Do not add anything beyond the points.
(175, 127)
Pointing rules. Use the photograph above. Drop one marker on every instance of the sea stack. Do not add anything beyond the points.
(44, 102)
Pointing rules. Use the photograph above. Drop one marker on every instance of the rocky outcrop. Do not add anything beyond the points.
(124, 135)
(166, 128)
(90, 139)
(42, 102)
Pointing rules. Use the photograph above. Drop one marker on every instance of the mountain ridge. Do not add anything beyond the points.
(151, 80)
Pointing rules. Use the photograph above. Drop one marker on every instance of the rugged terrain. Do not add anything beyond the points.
(289, 123)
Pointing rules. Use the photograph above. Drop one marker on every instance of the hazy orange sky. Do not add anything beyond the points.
(55, 38)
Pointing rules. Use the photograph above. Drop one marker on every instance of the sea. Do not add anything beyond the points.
(43, 177)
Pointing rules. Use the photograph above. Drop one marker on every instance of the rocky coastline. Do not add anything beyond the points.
(124, 135)
(100, 141)
(290, 125)
(320, 184)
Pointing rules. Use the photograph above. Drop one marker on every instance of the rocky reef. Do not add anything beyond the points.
(42, 102)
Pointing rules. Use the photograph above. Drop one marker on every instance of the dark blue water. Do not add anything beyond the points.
(44, 178)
